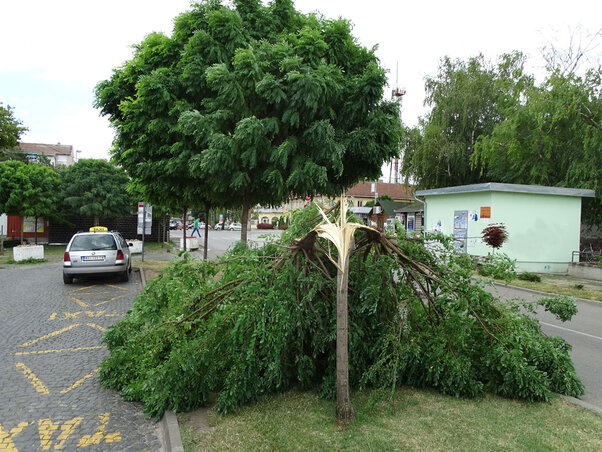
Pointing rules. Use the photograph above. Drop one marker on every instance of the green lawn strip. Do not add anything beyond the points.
(416, 421)
(560, 289)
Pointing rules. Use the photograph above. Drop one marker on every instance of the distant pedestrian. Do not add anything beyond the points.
(196, 228)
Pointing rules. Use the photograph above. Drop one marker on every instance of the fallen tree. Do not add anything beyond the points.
(264, 320)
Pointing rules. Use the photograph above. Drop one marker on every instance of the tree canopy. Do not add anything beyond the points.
(11, 129)
(467, 100)
(28, 189)
(251, 104)
(96, 188)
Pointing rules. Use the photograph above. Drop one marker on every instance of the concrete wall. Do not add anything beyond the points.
(543, 230)
(586, 271)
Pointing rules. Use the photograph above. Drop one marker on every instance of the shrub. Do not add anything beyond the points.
(283, 226)
(265, 226)
(528, 276)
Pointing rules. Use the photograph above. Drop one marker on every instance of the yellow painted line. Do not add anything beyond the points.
(6, 438)
(83, 288)
(75, 315)
(100, 435)
(42, 352)
(109, 300)
(98, 327)
(46, 429)
(35, 381)
(116, 287)
(54, 333)
(79, 302)
(79, 382)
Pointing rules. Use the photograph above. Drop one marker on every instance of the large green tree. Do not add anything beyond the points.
(251, 104)
(553, 138)
(28, 190)
(96, 188)
(467, 99)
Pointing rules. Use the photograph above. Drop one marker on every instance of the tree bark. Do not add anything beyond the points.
(246, 207)
(344, 411)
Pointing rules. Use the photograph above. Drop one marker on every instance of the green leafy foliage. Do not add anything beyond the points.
(498, 266)
(10, 129)
(249, 104)
(562, 306)
(528, 276)
(96, 188)
(263, 320)
(28, 189)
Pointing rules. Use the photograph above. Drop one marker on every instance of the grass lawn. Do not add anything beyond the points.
(416, 421)
(564, 285)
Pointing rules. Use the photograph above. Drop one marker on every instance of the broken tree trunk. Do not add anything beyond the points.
(344, 411)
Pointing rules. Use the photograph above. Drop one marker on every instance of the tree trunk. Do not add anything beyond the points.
(22, 227)
(246, 207)
(344, 412)
(96, 220)
(206, 233)
(35, 233)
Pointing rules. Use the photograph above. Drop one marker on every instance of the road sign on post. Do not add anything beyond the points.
(145, 211)
(145, 221)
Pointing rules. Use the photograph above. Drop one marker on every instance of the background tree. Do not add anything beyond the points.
(258, 103)
(28, 190)
(554, 138)
(467, 100)
(10, 128)
(96, 188)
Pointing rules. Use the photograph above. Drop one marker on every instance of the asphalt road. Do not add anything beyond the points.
(583, 332)
(220, 241)
(50, 351)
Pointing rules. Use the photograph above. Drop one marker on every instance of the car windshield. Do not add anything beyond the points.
(93, 242)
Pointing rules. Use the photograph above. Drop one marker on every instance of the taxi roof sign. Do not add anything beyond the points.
(98, 229)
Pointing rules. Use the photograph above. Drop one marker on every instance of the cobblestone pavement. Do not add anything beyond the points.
(50, 352)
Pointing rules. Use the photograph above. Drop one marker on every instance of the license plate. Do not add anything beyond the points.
(93, 258)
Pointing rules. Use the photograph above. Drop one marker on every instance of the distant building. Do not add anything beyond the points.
(543, 223)
(58, 154)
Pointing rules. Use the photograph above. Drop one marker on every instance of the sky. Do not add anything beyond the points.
(53, 53)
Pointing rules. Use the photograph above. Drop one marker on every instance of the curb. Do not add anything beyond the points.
(582, 404)
(172, 440)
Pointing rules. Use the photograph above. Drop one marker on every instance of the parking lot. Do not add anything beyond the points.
(50, 352)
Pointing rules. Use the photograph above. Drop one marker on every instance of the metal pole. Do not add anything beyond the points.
(143, 228)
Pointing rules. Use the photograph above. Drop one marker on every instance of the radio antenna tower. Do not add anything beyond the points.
(396, 95)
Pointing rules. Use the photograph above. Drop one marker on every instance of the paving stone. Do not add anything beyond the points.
(50, 350)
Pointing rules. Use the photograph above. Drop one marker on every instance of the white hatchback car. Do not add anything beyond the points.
(98, 252)
(235, 227)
